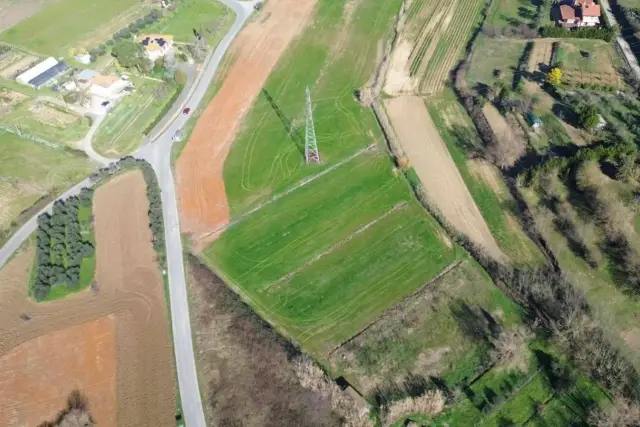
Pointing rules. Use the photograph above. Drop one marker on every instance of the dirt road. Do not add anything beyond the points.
(430, 158)
(203, 202)
(129, 289)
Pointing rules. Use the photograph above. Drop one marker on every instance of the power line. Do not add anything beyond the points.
(311, 153)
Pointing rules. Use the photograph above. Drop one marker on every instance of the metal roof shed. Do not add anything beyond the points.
(43, 78)
(36, 70)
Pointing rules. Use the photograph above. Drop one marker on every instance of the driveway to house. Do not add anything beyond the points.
(158, 154)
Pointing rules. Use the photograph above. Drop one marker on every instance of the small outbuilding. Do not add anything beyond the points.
(533, 120)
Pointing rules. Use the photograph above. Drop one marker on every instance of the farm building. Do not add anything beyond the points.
(42, 73)
(577, 13)
(108, 87)
(155, 45)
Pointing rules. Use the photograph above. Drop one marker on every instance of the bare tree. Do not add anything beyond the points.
(622, 413)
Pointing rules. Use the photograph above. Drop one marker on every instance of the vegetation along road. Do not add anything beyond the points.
(158, 154)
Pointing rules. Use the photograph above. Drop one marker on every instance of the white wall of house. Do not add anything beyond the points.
(590, 21)
(110, 92)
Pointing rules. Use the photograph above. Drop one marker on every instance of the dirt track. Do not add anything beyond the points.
(431, 160)
(130, 287)
(203, 202)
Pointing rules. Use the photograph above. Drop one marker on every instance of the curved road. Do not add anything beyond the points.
(158, 154)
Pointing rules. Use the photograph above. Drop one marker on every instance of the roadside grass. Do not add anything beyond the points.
(491, 54)
(616, 311)
(62, 24)
(512, 13)
(270, 254)
(121, 132)
(496, 204)
(29, 172)
(195, 14)
(424, 335)
(70, 129)
(268, 153)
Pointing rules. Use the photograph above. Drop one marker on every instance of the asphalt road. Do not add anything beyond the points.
(158, 154)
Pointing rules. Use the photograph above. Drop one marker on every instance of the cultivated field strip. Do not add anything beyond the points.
(449, 49)
(337, 245)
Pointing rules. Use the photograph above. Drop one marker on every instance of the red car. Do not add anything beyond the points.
(186, 110)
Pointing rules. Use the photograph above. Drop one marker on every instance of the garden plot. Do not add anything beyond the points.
(18, 64)
(430, 45)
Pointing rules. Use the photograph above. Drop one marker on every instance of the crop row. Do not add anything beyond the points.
(426, 38)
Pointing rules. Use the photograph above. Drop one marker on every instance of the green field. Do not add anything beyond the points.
(72, 127)
(29, 171)
(325, 260)
(57, 27)
(265, 158)
(602, 57)
(492, 54)
(512, 13)
(495, 204)
(202, 15)
(270, 254)
(122, 130)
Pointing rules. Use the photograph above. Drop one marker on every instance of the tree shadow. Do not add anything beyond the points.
(295, 134)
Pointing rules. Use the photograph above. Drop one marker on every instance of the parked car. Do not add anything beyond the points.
(105, 103)
(186, 110)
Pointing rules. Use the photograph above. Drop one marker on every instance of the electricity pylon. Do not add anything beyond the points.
(311, 153)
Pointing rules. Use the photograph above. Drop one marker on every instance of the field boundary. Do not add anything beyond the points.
(417, 292)
(331, 248)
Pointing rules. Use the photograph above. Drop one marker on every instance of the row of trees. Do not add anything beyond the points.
(60, 246)
(602, 33)
(125, 33)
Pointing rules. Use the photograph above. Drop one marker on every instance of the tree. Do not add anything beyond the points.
(158, 64)
(623, 413)
(554, 77)
(131, 55)
(589, 117)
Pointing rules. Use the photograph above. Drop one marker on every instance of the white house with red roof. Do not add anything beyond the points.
(579, 13)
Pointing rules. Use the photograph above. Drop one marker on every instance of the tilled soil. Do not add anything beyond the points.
(129, 289)
(256, 51)
(438, 173)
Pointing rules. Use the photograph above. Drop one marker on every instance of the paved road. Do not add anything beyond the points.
(624, 46)
(158, 154)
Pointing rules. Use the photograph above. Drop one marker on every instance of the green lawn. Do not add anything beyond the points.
(494, 54)
(460, 137)
(385, 262)
(601, 56)
(26, 115)
(122, 130)
(512, 13)
(201, 15)
(29, 171)
(265, 158)
(63, 23)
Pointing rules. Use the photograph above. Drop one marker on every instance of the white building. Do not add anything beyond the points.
(108, 87)
(155, 45)
(42, 73)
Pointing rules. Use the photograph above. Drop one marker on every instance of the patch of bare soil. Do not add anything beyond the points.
(246, 368)
(438, 173)
(398, 77)
(129, 288)
(203, 203)
(540, 55)
(488, 173)
(632, 338)
(12, 12)
(17, 66)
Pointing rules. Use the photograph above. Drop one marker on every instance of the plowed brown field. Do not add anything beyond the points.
(130, 289)
(203, 202)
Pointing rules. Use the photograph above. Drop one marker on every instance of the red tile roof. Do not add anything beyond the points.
(590, 9)
(567, 12)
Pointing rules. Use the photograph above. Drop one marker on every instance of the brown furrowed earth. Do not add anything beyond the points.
(203, 202)
(129, 288)
(438, 173)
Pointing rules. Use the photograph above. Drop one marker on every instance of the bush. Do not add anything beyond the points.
(606, 34)
(180, 77)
